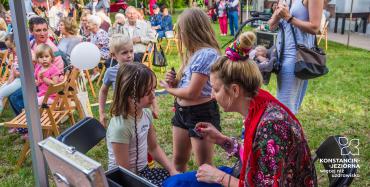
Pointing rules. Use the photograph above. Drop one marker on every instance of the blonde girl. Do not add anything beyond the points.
(192, 88)
(46, 73)
(131, 134)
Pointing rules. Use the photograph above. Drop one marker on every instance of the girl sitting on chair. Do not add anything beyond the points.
(46, 73)
(131, 134)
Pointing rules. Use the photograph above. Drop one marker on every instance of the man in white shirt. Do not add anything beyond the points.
(139, 31)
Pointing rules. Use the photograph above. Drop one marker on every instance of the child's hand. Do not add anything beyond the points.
(171, 78)
(261, 58)
(39, 75)
(155, 114)
(173, 172)
(164, 84)
(103, 120)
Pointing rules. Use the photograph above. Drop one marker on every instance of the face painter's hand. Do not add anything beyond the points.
(208, 132)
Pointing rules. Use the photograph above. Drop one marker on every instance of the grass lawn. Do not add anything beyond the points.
(337, 103)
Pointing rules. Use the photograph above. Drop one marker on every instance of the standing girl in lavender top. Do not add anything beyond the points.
(192, 88)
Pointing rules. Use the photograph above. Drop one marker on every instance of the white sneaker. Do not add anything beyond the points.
(95, 76)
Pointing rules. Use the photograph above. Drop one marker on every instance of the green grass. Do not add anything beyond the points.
(337, 103)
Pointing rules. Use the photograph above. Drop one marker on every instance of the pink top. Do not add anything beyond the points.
(50, 73)
(58, 61)
(152, 2)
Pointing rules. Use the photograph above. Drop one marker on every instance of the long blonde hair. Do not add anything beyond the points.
(194, 32)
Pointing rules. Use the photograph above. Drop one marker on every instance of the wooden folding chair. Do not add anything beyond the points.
(6, 62)
(323, 34)
(50, 117)
(71, 102)
(4, 67)
(102, 72)
(87, 74)
(148, 55)
(173, 40)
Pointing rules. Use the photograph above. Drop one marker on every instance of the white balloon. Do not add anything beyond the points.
(85, 56)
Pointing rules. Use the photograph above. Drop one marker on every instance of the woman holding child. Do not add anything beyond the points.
(274, 152)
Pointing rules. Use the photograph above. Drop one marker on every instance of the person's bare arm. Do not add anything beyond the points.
(191, 92)
(158, 154)
(103, 93)
(120, 152)
(274, 20)
(311, 26)
(52, 81)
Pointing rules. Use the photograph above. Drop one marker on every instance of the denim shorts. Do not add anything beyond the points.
(187, 117)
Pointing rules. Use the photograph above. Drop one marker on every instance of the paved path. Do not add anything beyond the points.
(356, 40)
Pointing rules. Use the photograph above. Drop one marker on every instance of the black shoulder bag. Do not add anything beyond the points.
(159, 58)
(310, 62)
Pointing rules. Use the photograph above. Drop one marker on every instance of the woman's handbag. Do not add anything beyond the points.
(310, 63)
(159, 59)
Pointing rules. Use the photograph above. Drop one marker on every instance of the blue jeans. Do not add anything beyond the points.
(233, 21)
(16, 101)
(189, 179)
(161, 34)
(291, 90)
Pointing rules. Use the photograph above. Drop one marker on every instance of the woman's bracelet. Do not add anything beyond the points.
(228, 183)
(220, 179)
(290, 19)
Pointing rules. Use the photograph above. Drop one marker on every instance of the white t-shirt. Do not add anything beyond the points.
(131, 30)
(122, 130)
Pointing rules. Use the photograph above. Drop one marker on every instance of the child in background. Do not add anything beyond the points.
(241, 46)
(117, 27)
(14, 82)
(46, 73)
(122, 51)
(264, 64)
(131, 134)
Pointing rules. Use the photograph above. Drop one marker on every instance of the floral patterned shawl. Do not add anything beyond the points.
(275, 149)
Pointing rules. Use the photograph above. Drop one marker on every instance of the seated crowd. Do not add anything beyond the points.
(274, 151)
